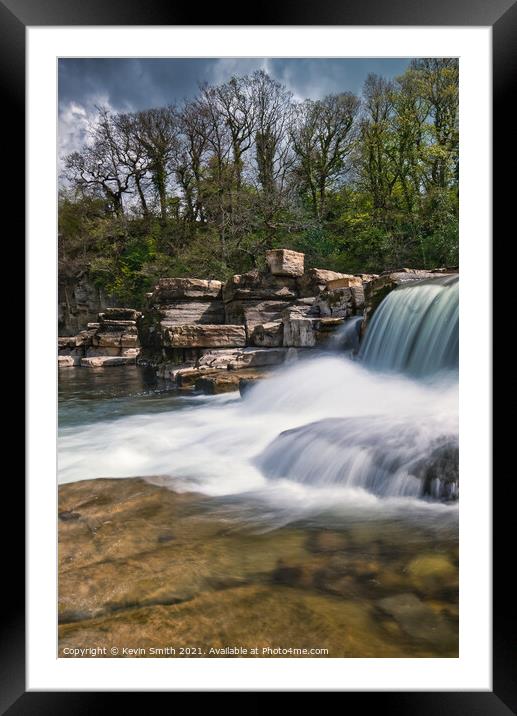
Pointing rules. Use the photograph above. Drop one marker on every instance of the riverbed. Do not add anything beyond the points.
(306, 559)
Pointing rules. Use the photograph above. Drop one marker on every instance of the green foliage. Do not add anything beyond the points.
(389, 199)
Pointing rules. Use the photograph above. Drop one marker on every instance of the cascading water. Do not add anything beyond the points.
(325, 432)
(415, 329)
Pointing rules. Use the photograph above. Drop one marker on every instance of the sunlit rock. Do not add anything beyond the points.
(284, 262)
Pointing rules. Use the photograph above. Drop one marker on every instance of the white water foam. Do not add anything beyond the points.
(212, 446)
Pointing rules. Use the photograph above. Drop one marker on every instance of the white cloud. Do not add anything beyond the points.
(75, 119)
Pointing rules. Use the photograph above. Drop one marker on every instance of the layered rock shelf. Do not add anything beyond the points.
(256, 320)
(112, 340)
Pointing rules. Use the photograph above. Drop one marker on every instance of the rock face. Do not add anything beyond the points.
(254, 313)
(79, 302)
(283, 262)
(340, 302)
(268, 335)
(316, 280)
(204, 336)
(111, 340)
(188, 317)
(282, 307)
(187, 289)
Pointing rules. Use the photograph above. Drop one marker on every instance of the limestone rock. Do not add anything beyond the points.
(173, 289)
(346, 281)
(187, 377)
(204, 336)
(67, 361)
(343, 302)
(226, 381)
(218, 359)
(417, 619)
(299, 332)
(315, 280)
(268, 335)
(258, 358)
(284, 262)
(257, 286)
(106, 361)
(254, 313)
(119, 314)
(187, 312)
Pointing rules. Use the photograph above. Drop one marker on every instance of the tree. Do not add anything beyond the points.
(157, 132)
(322, 139)
(98, 168)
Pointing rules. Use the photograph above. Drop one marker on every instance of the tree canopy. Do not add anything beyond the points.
(360, 184)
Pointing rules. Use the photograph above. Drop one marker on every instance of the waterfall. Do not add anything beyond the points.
(378, 433)
(415, 329)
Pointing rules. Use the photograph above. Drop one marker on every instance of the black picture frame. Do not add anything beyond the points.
(501, 15)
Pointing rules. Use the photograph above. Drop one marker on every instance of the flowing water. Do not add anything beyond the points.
(328, 442)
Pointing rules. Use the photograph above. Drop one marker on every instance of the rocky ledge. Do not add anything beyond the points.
(142, 567)
(199, 324)
(111, 340)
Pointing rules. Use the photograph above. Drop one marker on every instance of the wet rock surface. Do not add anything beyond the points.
(143, 567)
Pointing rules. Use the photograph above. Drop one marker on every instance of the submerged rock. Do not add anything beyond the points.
(145, 567)
(418, 620)
(385, 455)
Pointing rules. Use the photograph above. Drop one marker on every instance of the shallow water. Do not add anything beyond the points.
(356, 547)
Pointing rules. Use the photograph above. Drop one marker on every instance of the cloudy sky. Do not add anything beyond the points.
(132, 84)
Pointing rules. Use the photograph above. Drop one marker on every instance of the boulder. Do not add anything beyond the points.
(284, 262)
(196, 335)
(68, 361)
(173, 289)
(418, 620)
(257, 286)
(268, 335)
(315, 280)
(106, 361)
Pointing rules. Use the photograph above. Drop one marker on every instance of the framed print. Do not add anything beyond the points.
(244, 248)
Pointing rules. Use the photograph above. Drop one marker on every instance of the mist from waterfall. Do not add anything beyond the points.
(325, 432)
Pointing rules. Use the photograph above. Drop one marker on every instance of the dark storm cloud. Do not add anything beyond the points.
(132, 84)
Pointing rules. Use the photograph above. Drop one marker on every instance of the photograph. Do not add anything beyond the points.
(258, 338)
